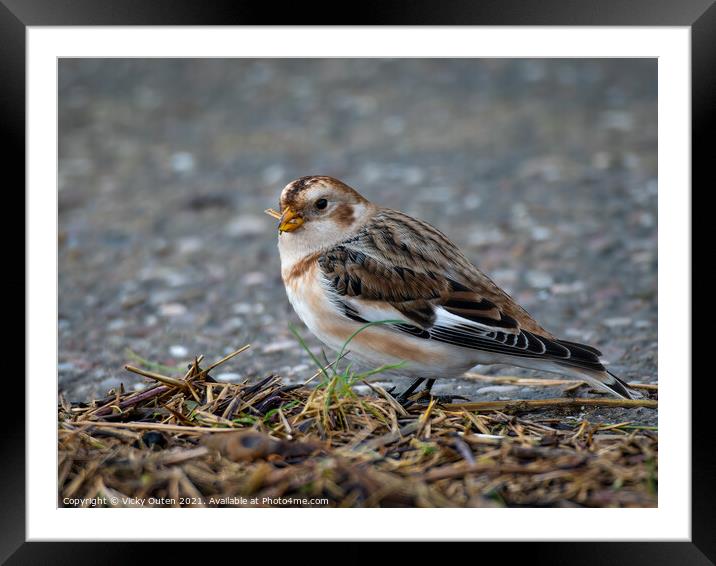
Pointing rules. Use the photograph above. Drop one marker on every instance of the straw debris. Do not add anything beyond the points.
(189, 441)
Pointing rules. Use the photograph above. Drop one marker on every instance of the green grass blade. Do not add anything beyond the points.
(318, 363)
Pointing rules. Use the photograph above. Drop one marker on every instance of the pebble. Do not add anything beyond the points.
(485, 236)
(130, 300)
(250, 225)
(432, 195)
(541, 233)
(578, 335)
(242, 308)
(472, 202)
(108, 383)
(188, 246)
(279, 346)
(247, 308)
(172, 309)
(642, 257)
(616, 322)
(182, 162)
(116, 324)
(227, 376)
(539, 279)
(232, 324)
(178, 351)
(504, 276)
(254, 278)
(567, 288)
(171, 277)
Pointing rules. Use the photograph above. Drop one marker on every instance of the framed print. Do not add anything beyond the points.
(473, 267)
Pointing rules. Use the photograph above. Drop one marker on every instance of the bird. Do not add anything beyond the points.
(403, 293)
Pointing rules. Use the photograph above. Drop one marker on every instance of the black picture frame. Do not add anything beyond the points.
(700, 15)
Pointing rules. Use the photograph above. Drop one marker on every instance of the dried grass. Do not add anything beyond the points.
(190, 441)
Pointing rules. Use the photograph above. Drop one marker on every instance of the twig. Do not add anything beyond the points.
(464, 450)
(177, 456)
(463, 468)
(576, 385)
(128, 402)
(646, 386)
(532, 404)
(424, 419)
(163, 378)
(543, 382)
(153, 426)
(272, 213)
(392, 436)
(388, 397)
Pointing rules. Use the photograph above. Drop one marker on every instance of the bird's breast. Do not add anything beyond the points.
(309, 298)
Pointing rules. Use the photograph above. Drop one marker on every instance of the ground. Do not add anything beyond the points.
(543, 171)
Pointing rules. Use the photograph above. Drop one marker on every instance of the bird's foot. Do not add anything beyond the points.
(404, 398)
(406, 401)
(408, 397)
(426, 398)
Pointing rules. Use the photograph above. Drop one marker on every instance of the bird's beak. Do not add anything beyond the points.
(290, 220)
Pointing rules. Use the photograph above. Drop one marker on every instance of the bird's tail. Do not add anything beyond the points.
(607, 381)
(582, 362)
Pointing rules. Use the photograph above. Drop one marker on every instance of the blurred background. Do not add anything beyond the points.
(543, 171)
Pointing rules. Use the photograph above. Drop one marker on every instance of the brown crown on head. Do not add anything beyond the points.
(291, 195)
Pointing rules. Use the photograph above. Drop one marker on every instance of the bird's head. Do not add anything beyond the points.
(320, 211)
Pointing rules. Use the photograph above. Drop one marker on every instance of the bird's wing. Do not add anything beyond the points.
(398, 268)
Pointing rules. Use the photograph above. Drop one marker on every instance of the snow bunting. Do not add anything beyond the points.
(346, 262)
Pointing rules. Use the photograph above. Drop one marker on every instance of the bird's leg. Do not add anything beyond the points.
(404, 400)
(403, 397)
(439, 398)
(425, 393)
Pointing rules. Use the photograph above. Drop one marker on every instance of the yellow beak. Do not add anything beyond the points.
(289, 221)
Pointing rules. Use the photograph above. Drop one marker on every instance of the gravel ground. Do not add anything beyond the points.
(543, 171)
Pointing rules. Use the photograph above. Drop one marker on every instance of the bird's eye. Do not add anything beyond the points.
(321, 203)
